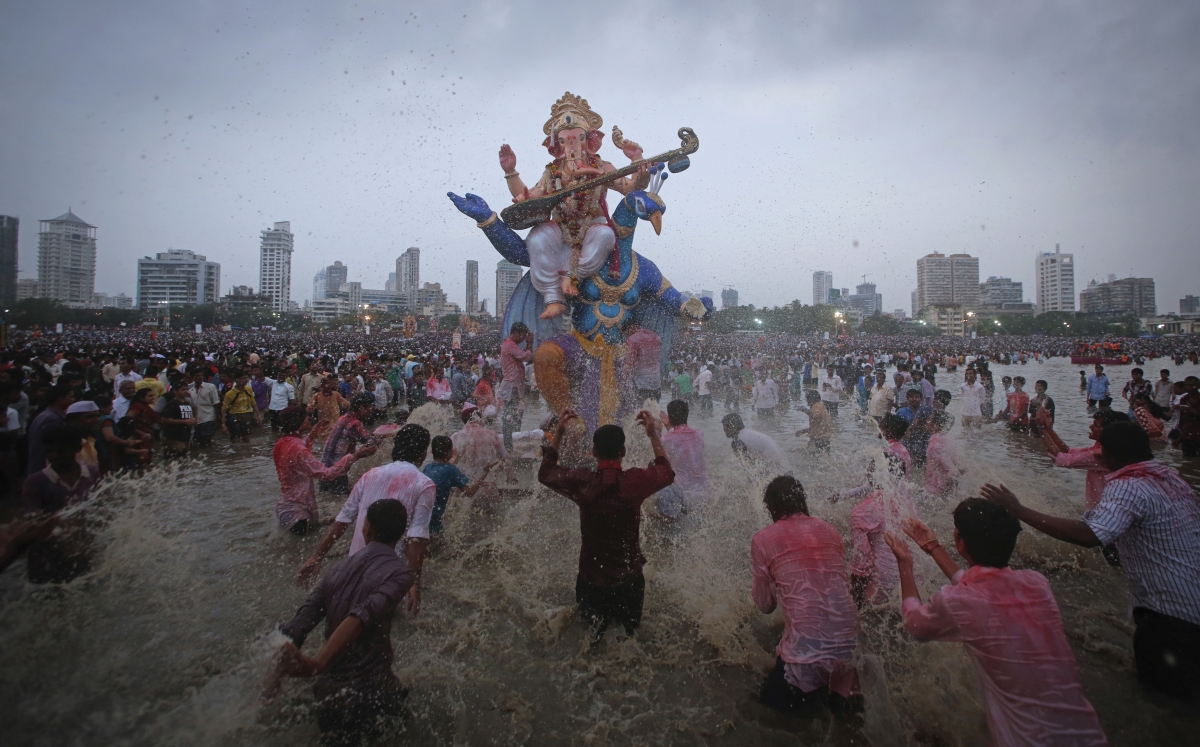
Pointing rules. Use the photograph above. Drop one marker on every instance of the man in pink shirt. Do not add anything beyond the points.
(685, 450)
(799, 563)
(1010, 625)
(477, 447)
(1082, 457)
(437, 389)
(643, 364)
(296, 508)
(873, 571)
(891, 429)
(512, 389)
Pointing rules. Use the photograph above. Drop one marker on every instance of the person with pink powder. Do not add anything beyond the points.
(1009, 623)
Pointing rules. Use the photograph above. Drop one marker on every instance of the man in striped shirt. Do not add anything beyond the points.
(1153, 517)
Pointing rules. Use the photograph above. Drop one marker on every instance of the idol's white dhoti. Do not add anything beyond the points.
(550, 256)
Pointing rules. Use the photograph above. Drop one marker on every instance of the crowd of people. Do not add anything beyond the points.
(88, 404)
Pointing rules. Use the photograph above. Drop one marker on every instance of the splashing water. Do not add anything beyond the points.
(167, 639)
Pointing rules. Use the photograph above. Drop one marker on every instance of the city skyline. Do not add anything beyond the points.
(169, 141)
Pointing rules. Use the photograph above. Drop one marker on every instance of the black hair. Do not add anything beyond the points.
(911, 392)
(893, 427)
(292, 418)
(677, 412)
(812, 396)
(1149, 403)
(733, 420)
(441, 446)
(388, 519)
(1138, 371)
(784, 497)
(1125, 443)
(1110, 416)
(410, 444)
(942, 397)
(62, 437)
(103, 400)
(1043, 382)
(56, 392)
(988, 530)
(519, 328)
(363, 400)
(608, 441)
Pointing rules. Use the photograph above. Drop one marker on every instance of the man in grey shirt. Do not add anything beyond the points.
(357, 693)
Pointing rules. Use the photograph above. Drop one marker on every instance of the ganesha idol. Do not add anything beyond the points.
(581, 259)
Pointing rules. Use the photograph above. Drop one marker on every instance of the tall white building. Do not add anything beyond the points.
(947, 281)
(177, 276)
(472, 286)
(335, 275)
(507, 277)
(67, 260)
(319, 286)
(390, 285)
(822, 285)
(408, 270)
(275, 265)
(1054, 275)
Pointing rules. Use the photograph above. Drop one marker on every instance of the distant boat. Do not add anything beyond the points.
(1091, 360)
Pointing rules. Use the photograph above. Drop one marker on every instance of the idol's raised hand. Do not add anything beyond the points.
(472, 206)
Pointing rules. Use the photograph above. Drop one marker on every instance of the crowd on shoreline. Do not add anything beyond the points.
(89, 403)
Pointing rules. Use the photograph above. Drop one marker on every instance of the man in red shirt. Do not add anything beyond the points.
(610, 585)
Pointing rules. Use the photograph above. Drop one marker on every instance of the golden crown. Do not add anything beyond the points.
(570, 112)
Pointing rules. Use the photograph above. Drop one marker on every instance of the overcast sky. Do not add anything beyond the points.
(852, 138)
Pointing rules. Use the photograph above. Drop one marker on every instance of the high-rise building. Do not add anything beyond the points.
(1189, 304)
(865, 299)
(105, 301)
(915, 310)
(275, 265)
(947, 281)
(507, 277)
(822, 285)
(8, 261)
(319, 285)
(995, 291)
(1054, 285)
(177, 276)
(67, 260)
(408, 270)
(1125, 296)
(336, 275)
(472, 286)
(729, 298)
(27, 288)
(390, 285)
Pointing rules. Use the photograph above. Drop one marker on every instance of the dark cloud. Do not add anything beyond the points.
(903, 126)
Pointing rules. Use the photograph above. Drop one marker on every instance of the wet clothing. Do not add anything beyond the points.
(1009, 623)
(46, 420)
(368, 585)
(610, 512)
(297, 468)
(685, 451)
(761, 450)
(1088, 458)
(348, 431)
(941, 472)
(400, 481)
(64, 555)
(799, 563)
(870, 556)
(446, 477)
(642, 360)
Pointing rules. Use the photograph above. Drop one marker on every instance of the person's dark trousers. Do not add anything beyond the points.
(601, 605)
(645, 394)
(350, 718)
(706, 402)
(782, 695)
(510, 420)
(833, 409)
(1166, 651)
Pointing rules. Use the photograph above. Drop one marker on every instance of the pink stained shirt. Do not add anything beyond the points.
(941, 472)
(476, 447)
(1010, 625)
(870, 556)
(297, 468)
(685, 450)
(642, 360)
(400, 481)
(1086, 457)
(512, 363)
(799, 562)
(438, 389)
(900, 451)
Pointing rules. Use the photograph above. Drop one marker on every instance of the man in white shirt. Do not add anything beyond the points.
(702, 384)
(123, 399)
(756, 448)
(125, 374)
(283, 395)
(765, 395)
(831, 391)
(972, 394)
(401, 480)
(207, 400)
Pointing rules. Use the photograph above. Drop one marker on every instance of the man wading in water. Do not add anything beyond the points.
(610, 586)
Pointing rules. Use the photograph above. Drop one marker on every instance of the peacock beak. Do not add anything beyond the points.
(656, 221)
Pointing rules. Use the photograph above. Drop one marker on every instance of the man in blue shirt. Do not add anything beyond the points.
(1097, 386)
(446, 477)
(913, 406)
